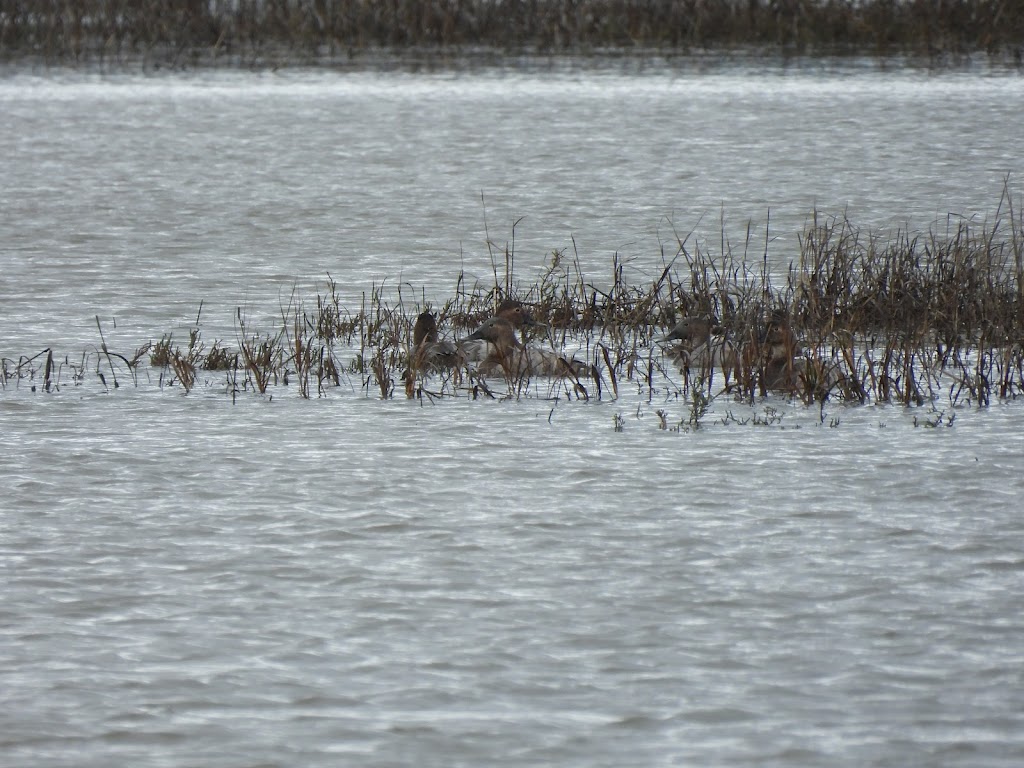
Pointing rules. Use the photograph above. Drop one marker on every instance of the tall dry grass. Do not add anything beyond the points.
(907, 318)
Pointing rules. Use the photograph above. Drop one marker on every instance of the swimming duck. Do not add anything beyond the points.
(701, 345)
(773, 345)
(509, 357)
(429, 353)
(693, 329)
(477, 349)
(774, 356)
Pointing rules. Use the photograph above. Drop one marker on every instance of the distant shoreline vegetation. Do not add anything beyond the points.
(186, 33)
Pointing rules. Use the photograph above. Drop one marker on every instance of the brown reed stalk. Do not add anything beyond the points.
(184, 369)
(259, 353)
(383, 346)
(47, 382)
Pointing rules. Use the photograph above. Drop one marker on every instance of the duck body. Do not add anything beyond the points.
(430, 353)
(701, 346)
(508, 356)
(530, 361)
(804, 375)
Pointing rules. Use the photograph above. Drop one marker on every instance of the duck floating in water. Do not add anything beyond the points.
(429, 352)
(784, 367)
(776, 360)
(509, 357)
(701, 345)
(769, 354)
(477, 349)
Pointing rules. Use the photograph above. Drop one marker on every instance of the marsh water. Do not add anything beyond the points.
(201, 580)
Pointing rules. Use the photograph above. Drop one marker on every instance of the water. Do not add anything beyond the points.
(232, 188)
(189, 580)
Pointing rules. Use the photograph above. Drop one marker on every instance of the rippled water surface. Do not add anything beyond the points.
(196, 580)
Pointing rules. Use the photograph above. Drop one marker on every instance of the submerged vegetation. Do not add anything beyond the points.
(260, 32)
(913, 319)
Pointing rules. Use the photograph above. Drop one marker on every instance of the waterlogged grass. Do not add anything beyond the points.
(911, 319)
(276, 32)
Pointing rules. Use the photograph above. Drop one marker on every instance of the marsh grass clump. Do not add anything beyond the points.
(383, 343)
(261, 355)
(910, 318)
(220, 358)
(160, 352)
(185, 362)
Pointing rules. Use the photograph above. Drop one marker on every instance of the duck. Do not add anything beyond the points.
(509, 357)
(773, 345)
(693, 328)
(775, 356)
(478, 349)
(429, 352)
(701, 346)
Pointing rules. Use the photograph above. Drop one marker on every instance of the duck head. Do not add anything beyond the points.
(499, 332)
(515, 312)
(425, 329)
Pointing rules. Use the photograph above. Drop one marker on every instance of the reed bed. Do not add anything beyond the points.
(932, 318)
(254, 32)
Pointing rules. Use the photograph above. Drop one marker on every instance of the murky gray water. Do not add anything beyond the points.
(344, 581)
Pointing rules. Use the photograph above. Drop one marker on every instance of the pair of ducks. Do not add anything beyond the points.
(493, 349)
(770, 352)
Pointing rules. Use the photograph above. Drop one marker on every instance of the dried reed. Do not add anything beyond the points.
(911, 319)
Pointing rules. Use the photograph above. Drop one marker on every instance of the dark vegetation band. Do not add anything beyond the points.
(193, 31)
